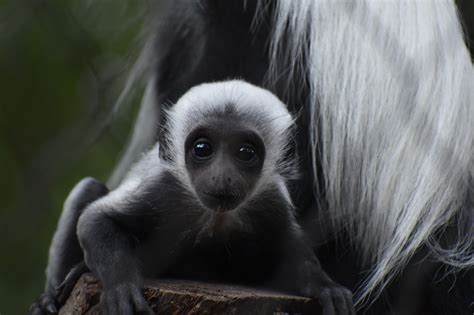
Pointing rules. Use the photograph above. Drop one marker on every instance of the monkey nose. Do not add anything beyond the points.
(229, 179)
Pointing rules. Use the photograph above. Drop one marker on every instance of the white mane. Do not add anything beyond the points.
(392, 96)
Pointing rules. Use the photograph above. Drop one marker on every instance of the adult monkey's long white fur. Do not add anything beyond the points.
(391, 90)
(392, 96)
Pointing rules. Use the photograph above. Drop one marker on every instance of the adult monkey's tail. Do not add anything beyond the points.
(391, 89)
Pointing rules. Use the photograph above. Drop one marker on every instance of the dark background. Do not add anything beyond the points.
(62, 66)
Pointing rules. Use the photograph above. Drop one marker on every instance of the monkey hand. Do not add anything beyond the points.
(55, 296)
(124, 299)
(46, 304)
(334, 298)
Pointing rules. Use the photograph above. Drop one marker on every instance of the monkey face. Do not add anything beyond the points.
(224, 161)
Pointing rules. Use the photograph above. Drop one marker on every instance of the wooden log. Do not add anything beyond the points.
(184, 297)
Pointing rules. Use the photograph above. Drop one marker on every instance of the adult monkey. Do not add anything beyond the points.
(384, 92)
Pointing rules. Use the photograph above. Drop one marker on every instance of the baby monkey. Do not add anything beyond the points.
(210, 202)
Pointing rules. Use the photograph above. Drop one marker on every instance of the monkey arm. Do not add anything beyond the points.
(108, 248)
(112, 229)
(108, 232)
(65, 251)
(298, 270)
(302, 273)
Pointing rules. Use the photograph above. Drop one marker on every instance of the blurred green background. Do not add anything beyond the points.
(63, 64)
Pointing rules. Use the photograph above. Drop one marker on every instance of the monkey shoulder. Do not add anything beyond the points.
(272, 213)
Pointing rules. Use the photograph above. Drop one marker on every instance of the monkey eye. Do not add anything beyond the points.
(246, 153)
(202, 150)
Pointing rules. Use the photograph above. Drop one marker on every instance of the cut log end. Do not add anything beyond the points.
(184, 297)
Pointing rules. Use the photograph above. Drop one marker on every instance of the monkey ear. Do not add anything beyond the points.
(163, 151)
(163, 145)
(290, 150)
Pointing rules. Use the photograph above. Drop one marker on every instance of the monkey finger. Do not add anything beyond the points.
(125, 305)
(141, 305)
(349, 302)
(340, 302)
(44, 305)
(35, 309)
(108, 303)
(66, 287)
(48, 303)
(325, 299)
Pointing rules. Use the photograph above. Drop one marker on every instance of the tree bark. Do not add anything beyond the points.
(184, 297)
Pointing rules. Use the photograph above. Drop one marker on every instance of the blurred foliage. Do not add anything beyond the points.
(62, 66)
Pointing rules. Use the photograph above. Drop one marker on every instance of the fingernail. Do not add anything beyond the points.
(52, 309)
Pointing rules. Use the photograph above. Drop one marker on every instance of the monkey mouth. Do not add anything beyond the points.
(221, 201)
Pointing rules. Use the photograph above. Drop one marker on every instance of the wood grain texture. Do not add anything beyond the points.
(184, 297)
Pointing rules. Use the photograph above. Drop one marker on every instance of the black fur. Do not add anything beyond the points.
(225, 43)
(214, 223)
(203, 41)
